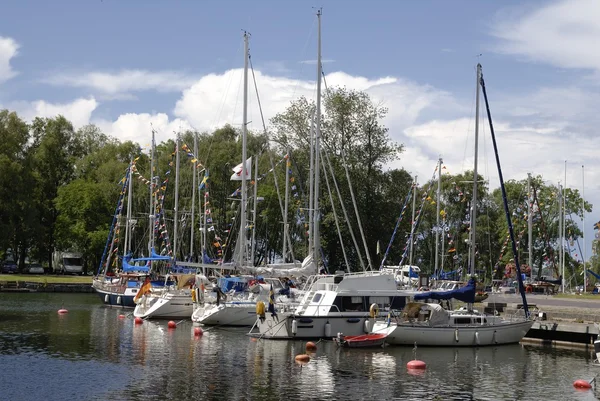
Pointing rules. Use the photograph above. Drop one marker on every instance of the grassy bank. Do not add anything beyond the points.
(47, 278)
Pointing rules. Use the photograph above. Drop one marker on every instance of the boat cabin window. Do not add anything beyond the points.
(316, 298)
(478, 320)
(398, 303)
(381, 301)
(462, 320)
(349, 304)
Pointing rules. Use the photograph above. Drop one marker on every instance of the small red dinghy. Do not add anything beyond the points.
(364, 340)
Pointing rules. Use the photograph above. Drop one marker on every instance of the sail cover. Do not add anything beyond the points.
(464, 294)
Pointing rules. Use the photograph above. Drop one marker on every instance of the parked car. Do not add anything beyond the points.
(9, 266)
(34, 268)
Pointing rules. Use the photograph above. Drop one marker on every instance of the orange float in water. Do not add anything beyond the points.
(62, 311)
(310, 346)
(138, 320)
(302, 358)
(582, 384)
(416, 364)
(172, 324)
(198, 331)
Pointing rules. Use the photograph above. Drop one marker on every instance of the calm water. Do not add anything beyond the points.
(91, 354)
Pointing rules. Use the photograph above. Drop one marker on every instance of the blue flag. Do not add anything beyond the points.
(271, 308)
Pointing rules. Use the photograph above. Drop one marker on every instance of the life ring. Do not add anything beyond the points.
(374, 310)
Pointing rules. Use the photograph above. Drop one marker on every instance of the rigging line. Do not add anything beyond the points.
(505, 202)
(266, 133)
(343, 207)
(222, 102)
(310, 33)
(360, 227)
(415, 224)
(337, 223)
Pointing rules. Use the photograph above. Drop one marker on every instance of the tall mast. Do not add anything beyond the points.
(529, 226)
(583, 225)
(175, 209)
(254, 205)
(560, 237)
(151, 215)
(129, 202)
(412, 225)
(437, 218)
(287, 199)
(475, 176)
(317, 244)
(243, 249)
(194, 178)
(564, 226)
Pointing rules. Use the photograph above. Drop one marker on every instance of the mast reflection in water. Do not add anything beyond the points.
(91, 354)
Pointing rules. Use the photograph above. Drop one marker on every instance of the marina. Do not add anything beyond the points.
(51, 353)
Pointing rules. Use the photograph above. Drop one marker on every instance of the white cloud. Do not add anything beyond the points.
(8, 50)
(564, 33)
(216, 99)
(124, 81)
(78, 111)
(138, 127)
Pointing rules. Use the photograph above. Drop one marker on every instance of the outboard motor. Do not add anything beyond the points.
(597, 350)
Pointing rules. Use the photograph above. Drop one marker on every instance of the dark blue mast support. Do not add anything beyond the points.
(505, 202)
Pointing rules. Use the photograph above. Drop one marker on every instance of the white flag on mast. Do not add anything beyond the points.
(237, 171)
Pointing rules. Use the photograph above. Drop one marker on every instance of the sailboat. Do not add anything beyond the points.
(429, 324)
(119, 284)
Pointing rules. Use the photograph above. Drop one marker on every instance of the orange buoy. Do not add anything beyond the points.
(198, 331)
(416, 372)
(416, 364)
(121, 316)
(582, 384)
(172, 324)
(62, 311)
(138, 320)
(302, 358)
(310, 346)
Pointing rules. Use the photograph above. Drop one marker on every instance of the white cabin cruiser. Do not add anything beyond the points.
(341, 303)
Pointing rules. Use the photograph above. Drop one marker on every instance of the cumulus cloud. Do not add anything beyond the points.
(216, 99)
(137, 127)
(8, 50)
(564, 33)
(124, 81)
(78, 111)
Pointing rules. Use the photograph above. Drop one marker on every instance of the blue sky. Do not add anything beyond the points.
(176, 64)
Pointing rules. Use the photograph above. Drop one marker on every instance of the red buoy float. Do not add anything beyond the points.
(121, 316)
(198, 331)
(302, 358)
(172, 324)
(582, 384)
(310, 346)
(138, 320)
(416, 364)
(62, 311)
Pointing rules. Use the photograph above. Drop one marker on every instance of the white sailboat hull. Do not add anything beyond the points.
(168, 305)
(454, 336)
(226, 314)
